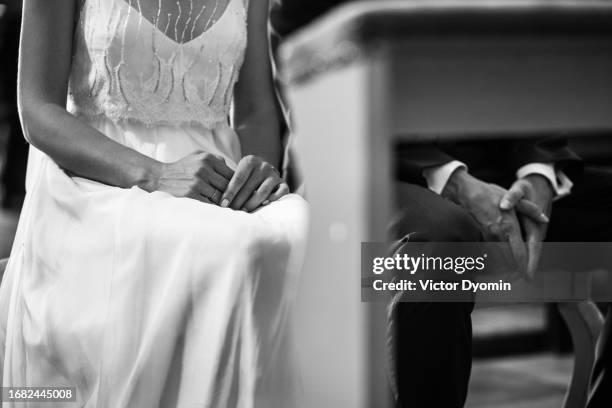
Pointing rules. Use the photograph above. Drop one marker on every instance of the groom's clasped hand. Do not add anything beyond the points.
(518, 216)
(206, 177)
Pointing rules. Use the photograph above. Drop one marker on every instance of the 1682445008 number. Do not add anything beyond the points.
(38, 394)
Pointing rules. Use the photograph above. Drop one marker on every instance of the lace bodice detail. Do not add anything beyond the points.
(157, 62)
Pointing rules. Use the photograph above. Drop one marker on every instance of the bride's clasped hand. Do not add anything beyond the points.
(206, 177)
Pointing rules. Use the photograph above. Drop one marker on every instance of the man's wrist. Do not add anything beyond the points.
(455, 183)
(560, 183)
(437, 176)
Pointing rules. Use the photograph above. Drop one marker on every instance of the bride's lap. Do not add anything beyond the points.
(173, 219)
(138, 238)
(157, 231)
(176, 219)
(216, 239)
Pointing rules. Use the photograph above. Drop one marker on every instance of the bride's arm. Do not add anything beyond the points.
(44, 68)
(256, 116)
(257, 121)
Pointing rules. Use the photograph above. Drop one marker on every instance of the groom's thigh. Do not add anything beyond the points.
(433, 340)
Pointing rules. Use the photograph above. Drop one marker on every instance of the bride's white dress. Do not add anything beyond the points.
(143, 299)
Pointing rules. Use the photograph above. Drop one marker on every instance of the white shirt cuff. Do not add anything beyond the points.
(438, 176)
(560, 183)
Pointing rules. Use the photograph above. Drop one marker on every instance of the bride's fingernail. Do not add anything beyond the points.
(224, 203)
(505, 204)
(266, 202)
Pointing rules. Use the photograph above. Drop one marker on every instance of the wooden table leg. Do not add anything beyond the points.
(584, 322)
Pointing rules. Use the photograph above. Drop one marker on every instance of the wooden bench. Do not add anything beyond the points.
(374, 73)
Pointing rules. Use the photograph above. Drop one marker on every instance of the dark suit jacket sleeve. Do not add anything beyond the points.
(500, 156)
(411, 160)
(547, 149)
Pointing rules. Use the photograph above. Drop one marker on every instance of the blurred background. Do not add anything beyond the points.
(522, 352)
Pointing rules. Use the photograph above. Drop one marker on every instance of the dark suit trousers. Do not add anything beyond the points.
(434, 340)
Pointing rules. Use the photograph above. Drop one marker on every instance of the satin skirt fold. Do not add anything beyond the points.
(146, 300)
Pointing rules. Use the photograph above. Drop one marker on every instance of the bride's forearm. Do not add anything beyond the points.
(256, 111)
(83, 151)
(260, 136)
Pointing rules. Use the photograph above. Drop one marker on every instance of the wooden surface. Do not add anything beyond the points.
(356, 28)
(490, 87)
